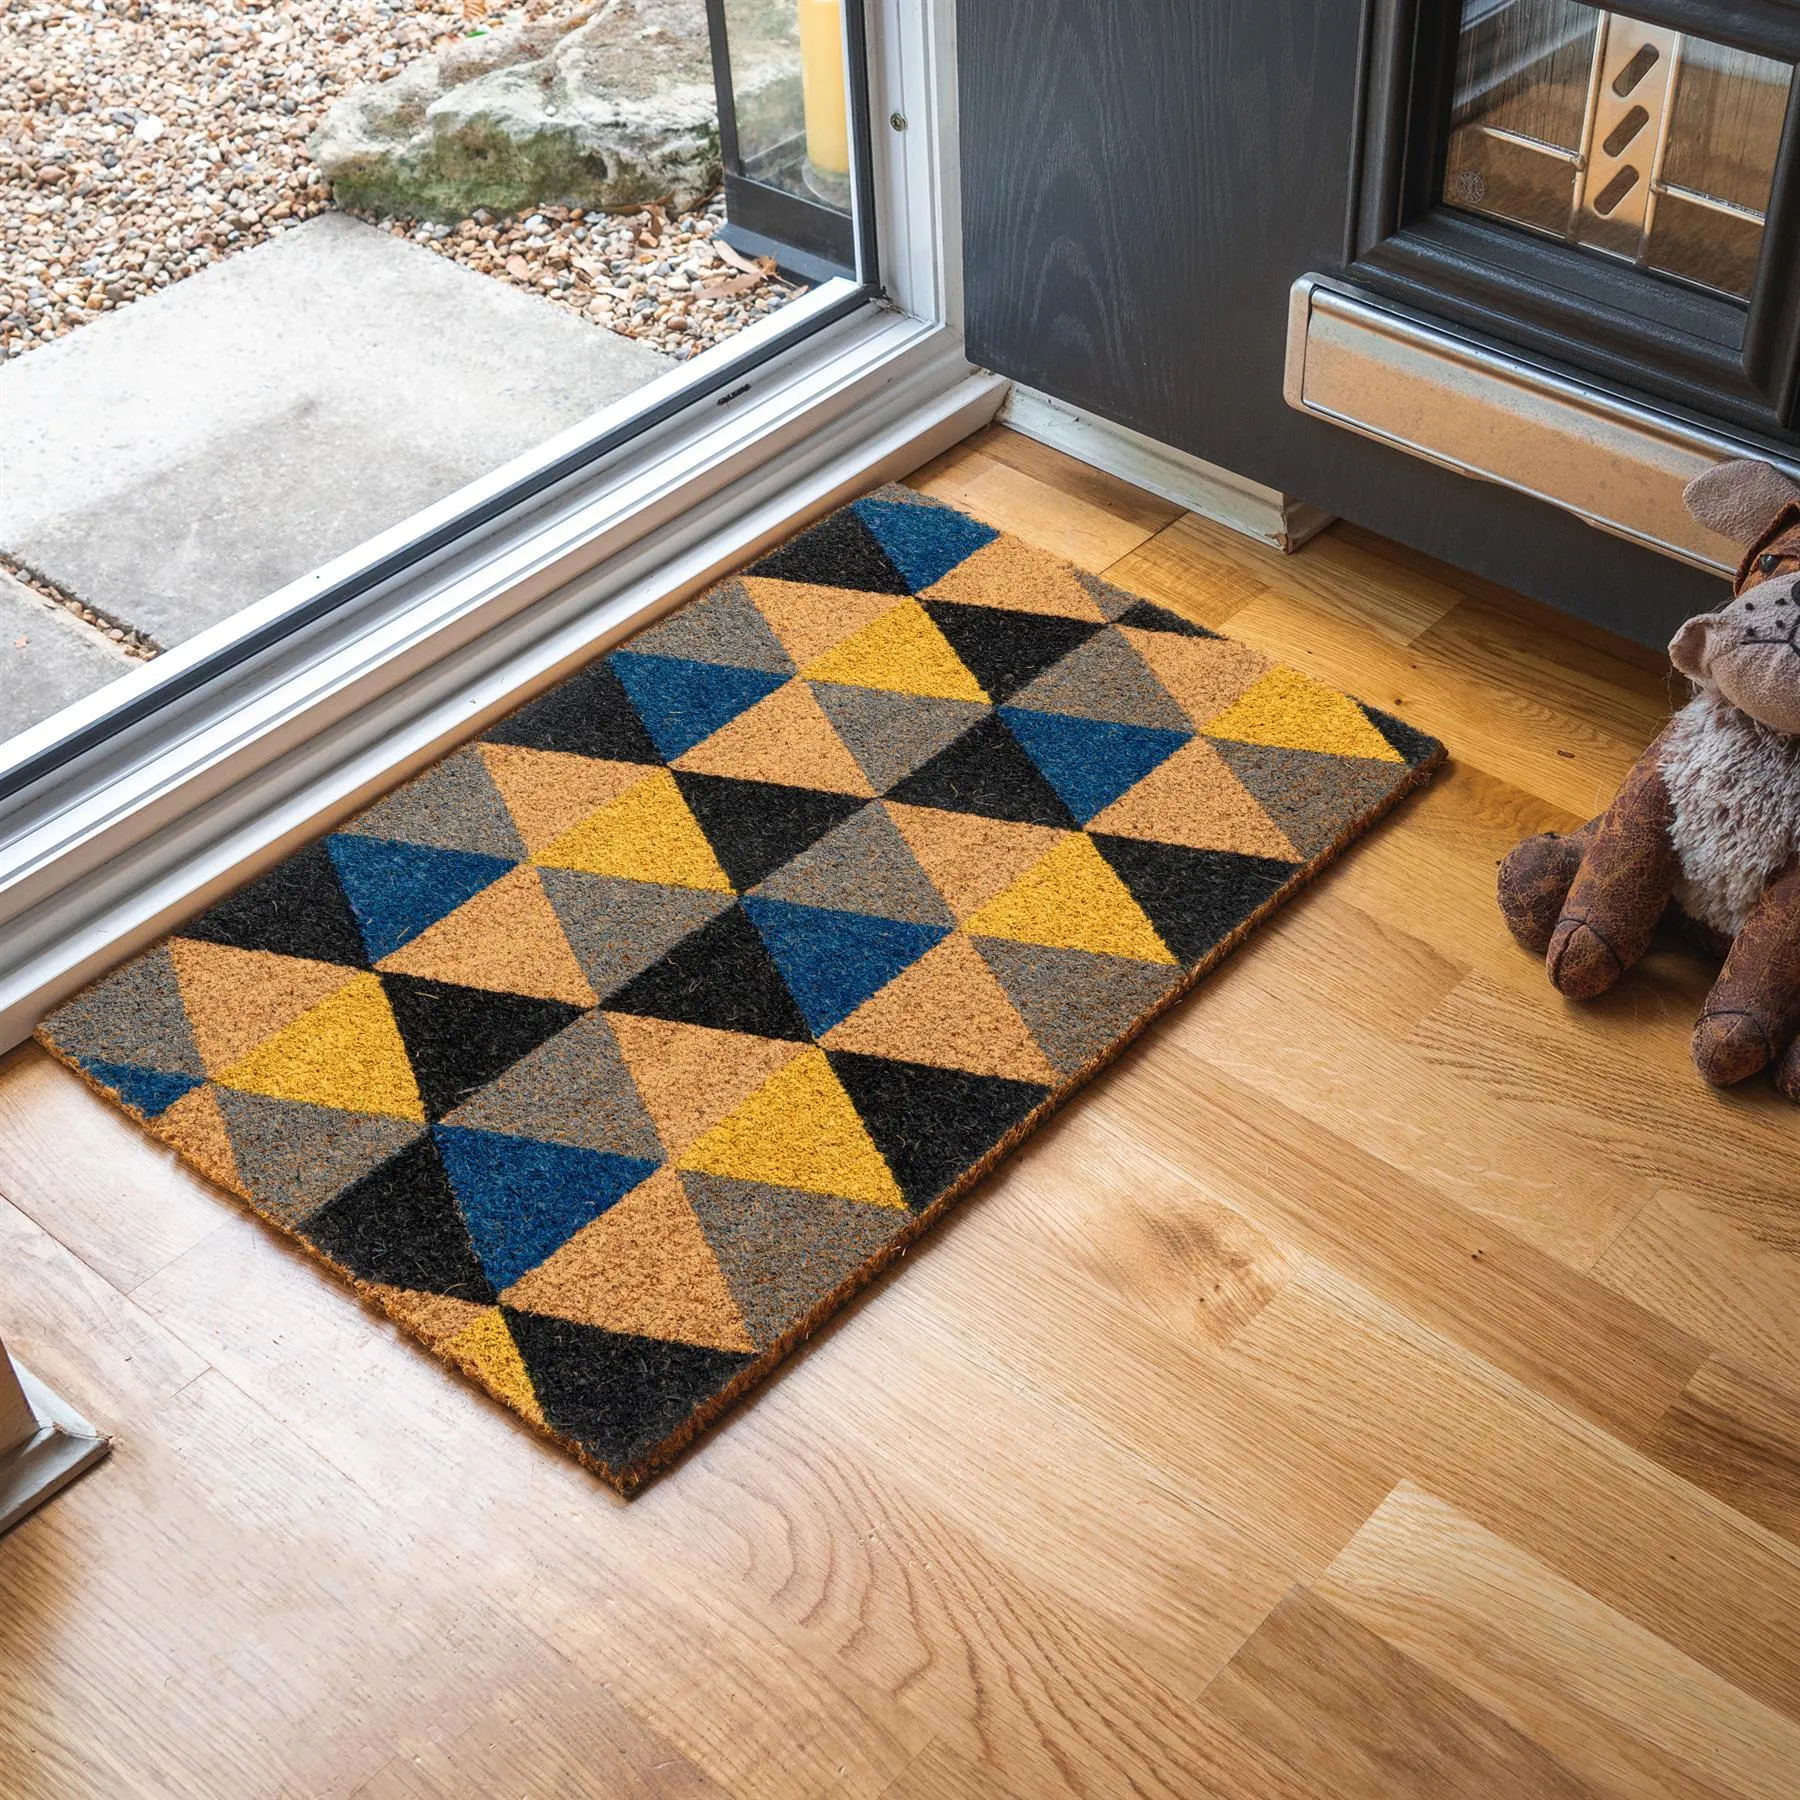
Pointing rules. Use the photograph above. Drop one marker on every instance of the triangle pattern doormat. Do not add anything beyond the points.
(615, 1052)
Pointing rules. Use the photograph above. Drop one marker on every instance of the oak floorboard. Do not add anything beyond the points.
(1380, 1381)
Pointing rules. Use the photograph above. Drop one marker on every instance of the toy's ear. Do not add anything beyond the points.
(1738, 499)
(1690, 649)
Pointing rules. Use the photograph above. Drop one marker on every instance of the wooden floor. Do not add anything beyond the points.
(1383, 1383)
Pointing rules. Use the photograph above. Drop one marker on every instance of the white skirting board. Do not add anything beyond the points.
(1260, 512)
(44, 1443)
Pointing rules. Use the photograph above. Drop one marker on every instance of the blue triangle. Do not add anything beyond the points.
(1090, 762)
(396, 890)
(523, 1200)
(682, 702)
(833, 961)
(150, 1091)
(923, 542)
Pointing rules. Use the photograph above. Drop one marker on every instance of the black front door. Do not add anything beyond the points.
(1606, 197)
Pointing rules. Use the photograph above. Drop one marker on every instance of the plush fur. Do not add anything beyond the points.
(1707, 825)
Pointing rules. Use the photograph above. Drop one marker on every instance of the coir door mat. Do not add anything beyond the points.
(615, 1052)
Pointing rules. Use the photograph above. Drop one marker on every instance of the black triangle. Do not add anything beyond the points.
(616, 1395)
(1192, 897)
(1147, 616)
(297, 909)
(400, 1225)
(1415, 746)
(721, 975)
(756, 826)
(1005, 650)
(987, 773)
(588, 715)
(459, 1038)
(839, 552)
(931, 1124)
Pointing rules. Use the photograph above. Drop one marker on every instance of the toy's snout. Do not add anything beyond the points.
(1748, 651)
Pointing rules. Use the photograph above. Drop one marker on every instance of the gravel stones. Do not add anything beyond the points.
(142, 140)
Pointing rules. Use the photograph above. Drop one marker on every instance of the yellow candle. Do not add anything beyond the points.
(822, 86)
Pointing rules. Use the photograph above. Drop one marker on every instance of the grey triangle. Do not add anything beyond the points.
(293, 1157)
(1075, 1002)
(864, 866)
(133, 1016)
(1112, 601)
(720, 627)
(454, 806)
(573, 1090)
(899, 494)
(1104, 678)
(781, 1252)
(1310, 794)
(617, 929)
(890, 735)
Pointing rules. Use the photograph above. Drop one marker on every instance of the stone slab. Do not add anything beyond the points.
(194, 451)
(48, 658)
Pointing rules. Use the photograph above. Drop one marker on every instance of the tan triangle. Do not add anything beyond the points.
(1205, 675)
(486, 1351)
(234, 999)
(196, 1127)
(346, 1052)
(435, 1317)
(1016, 577)
(799, 1130)
(643, 1267)
(970, 860)
(506, 939)
(647, 834)
(1072, 900)
(1290, 711)
(547, 791)
(785, 738)
(691, 1076)
(948, 1010)
(1193, 799)
(902, 652)
(808, 618)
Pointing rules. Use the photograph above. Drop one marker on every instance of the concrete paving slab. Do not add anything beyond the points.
(48, 658)
(190, 453)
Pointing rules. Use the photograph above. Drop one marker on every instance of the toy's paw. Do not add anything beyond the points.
(1730, 1047)
(1534, 881)
(1787, 1072)
(1582, 964)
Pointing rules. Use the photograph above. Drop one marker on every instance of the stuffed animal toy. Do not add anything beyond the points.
(1707, 825)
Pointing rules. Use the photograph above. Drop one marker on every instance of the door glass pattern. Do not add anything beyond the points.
(1628, 139)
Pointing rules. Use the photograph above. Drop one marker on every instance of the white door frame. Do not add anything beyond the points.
(114, 847)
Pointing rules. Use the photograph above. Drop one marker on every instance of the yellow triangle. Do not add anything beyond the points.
(1072, 901)
(236, 998)
(196, 1127)
(647, 834)
(785, 738)
(691, 1076)
(798, 1130)
(1193, 799)
(902, 652)
(1015, 577)
(1290, 711)
(547, 791)
(947, 1010)
(643, 1267)
(486, 1351)
(346, 1052)
(506, 939)
(808, 618)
